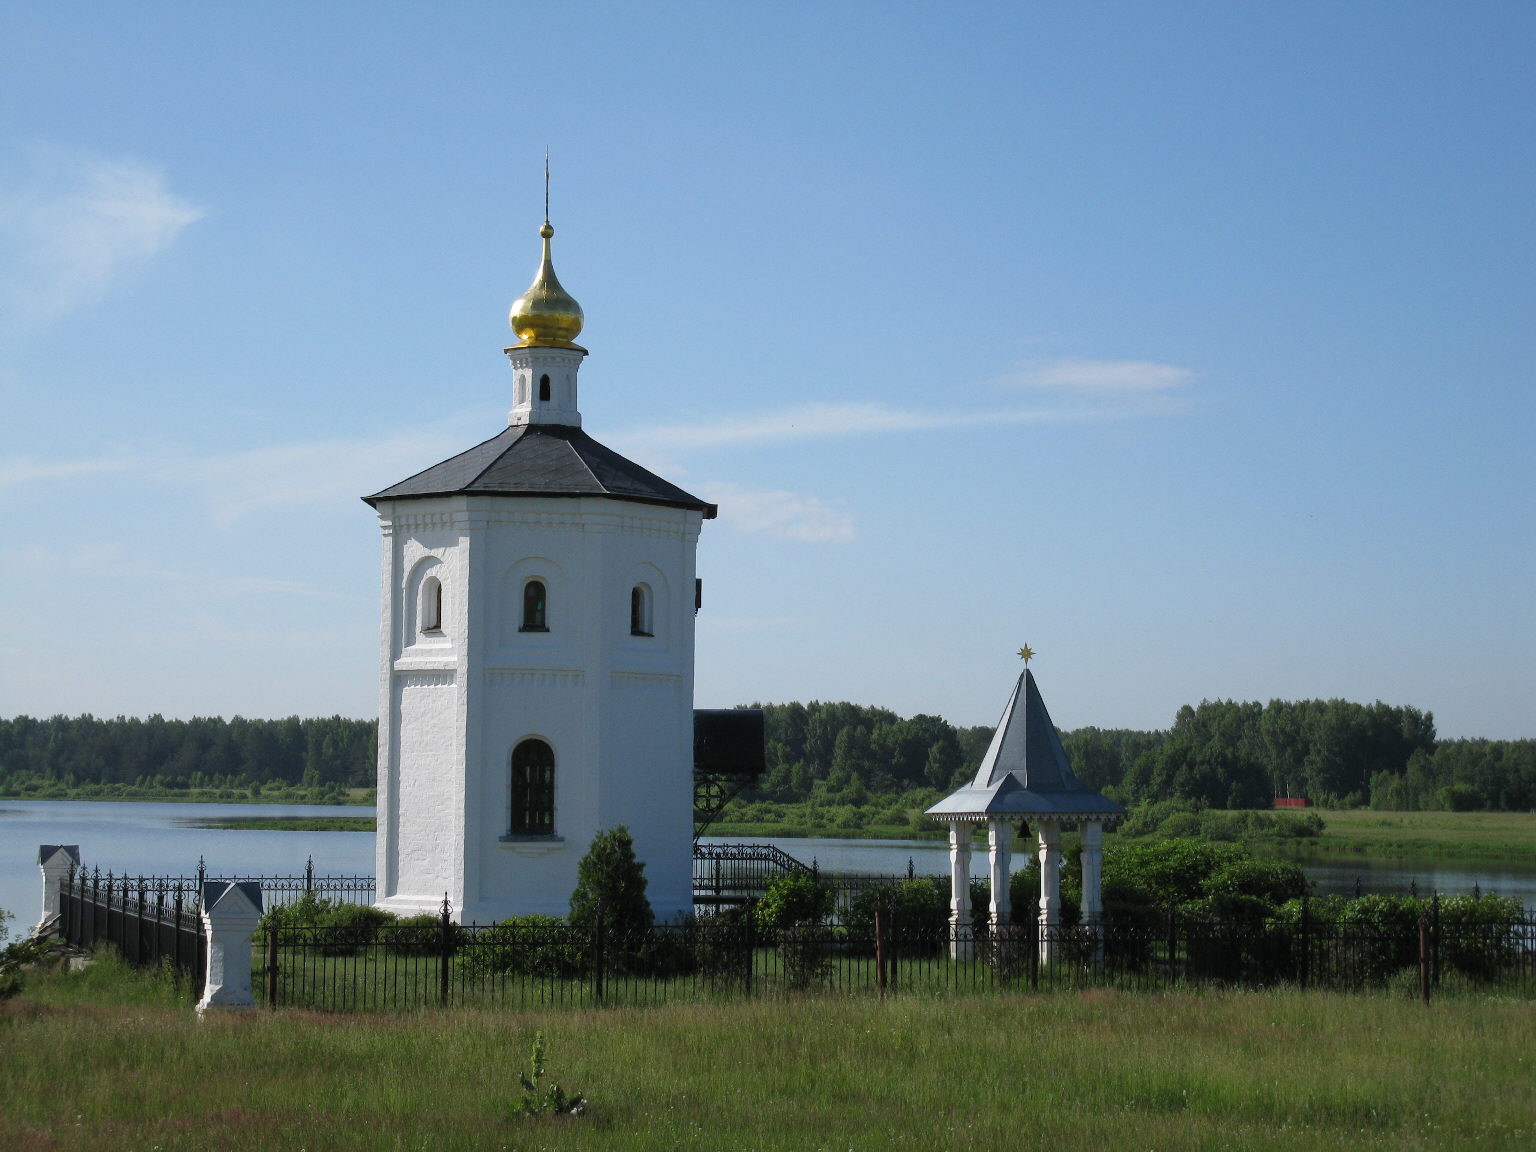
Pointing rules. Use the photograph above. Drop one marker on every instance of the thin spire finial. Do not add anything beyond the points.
(546, 185)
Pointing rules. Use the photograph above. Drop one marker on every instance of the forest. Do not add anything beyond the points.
(316, 760)
(1220, 754)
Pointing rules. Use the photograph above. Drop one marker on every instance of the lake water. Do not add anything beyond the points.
(163, 839)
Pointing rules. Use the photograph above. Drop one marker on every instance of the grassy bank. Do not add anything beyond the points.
(1420, 835)
(140, 793)
(294, 823)
(111, 1063)
(1485, 836)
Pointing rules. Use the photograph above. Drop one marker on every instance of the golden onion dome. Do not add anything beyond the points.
(546, 316)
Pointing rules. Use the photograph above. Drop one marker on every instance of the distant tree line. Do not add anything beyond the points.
(1222, 754)
(89, 755)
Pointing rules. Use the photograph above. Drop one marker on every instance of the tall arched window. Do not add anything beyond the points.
(431, 605)
(535, 610)
(640, 610)
(544, 387)
(533, 789)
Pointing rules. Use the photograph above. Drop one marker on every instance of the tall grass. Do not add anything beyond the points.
(1445, 835)
(85, 1067)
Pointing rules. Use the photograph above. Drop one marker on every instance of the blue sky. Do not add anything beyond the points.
(1188, 343)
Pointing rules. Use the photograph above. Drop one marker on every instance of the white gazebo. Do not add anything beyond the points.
(1024, 777)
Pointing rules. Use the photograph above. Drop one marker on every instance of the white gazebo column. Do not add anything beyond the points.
(1050, 888)
(1092, 859)
(1092, 833)
(959, 890)
(999, 859)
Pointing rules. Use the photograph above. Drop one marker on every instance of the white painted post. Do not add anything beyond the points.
(1050, 888)
(999, 854)
(960, 890)
(1092, 859)
(230, 914)
(54, 862)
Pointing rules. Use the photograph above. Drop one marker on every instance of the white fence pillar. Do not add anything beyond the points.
(960, 890)
(54, 861)
(230, 914)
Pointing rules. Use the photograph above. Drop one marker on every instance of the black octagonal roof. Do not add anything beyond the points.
(542, 460)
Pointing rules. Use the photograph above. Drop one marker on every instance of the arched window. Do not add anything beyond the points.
(535, 612)
(533, 789)
(544, 387)
(640, 610)
(431, 605)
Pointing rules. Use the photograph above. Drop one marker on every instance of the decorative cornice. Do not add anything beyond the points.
(428, 677)
(647, 677)
(557, 677)
(484, 512)
(445, 518)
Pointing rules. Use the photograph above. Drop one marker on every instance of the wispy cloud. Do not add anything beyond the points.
(111, 560)
(1062, 391)
(28, 469)
(1097, 377)
(321, 474)
(781, 515)
(318, 474)
(73, 224)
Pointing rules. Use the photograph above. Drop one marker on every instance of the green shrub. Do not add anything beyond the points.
(308, 911)
(794, 898)
(335, 929)
(1271, 881)
(421, 935)
(720, 945)
(527, 945)
(1007, 950)
(349, 927)
(1163, 873)
(14, 957)
(610, 886)
(805, 953)
(915, 912)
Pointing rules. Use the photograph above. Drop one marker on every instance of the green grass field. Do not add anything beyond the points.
(108, 1060)
(1485, 836)
(294, 823)
(1446, 835)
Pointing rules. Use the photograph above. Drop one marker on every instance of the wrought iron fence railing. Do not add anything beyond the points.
(524, 965)
(151, 920)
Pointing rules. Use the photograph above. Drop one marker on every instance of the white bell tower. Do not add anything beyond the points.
(536, 656)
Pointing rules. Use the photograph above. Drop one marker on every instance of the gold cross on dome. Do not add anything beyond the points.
(1025, 653)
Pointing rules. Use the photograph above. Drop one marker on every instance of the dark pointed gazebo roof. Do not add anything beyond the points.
(1025, 771)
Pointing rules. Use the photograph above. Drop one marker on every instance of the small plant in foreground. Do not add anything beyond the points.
(541, 1101)
(15, 956)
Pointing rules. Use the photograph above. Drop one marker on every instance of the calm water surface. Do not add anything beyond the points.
(163, 839)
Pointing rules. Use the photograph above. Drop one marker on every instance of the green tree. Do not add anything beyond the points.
(610, 886)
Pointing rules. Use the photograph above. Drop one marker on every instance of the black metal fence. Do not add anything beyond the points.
(439, 963)
(728, 874)
(148, 919)
(152, 920)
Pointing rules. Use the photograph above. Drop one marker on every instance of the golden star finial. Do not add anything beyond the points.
(1025, 653)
